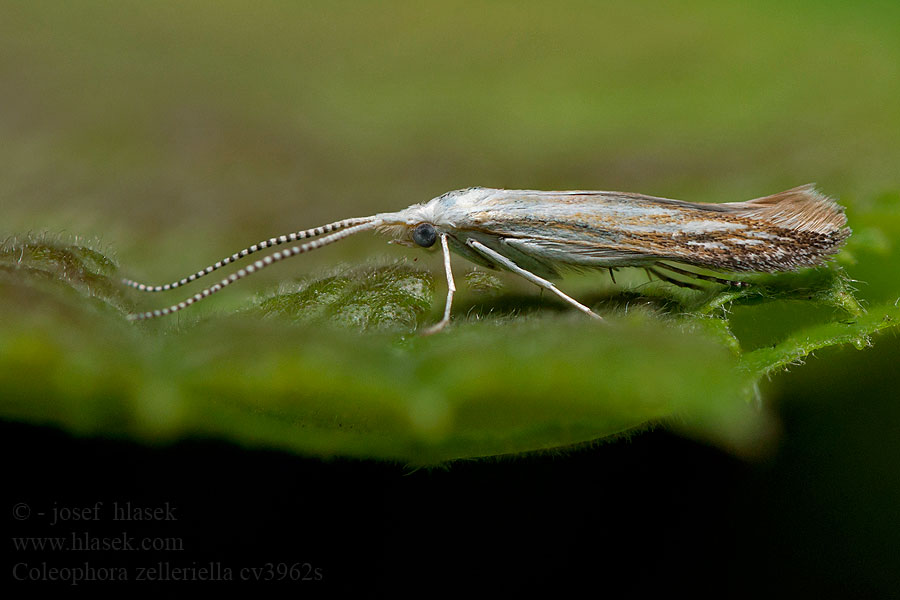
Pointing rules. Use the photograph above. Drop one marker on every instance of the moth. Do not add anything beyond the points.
(535, 234)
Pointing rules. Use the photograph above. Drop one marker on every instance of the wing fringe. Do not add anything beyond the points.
(802, 208)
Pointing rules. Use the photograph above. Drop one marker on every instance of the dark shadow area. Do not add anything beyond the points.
(511, 304)
(653, 512)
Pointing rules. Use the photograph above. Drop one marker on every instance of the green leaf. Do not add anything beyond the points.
(333, 366)
(373, 298)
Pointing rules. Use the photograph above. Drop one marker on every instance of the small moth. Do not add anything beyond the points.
(535, 233)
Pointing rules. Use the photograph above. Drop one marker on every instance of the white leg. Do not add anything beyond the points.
(502, 260)
(451, 288)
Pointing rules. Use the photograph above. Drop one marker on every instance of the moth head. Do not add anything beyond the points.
(424, 235)
(413, 227)
(419, 225)
(416, 235)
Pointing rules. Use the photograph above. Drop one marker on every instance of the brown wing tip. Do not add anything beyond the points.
(802, 208)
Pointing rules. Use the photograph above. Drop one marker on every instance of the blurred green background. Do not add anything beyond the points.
(170, 134)
(172, 129)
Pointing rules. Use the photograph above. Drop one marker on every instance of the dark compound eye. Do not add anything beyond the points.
(424, 235)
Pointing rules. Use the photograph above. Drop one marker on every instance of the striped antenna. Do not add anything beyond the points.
(364, 225)
(275, 241)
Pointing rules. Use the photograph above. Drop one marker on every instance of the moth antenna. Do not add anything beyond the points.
(366, 224)
(275, 241)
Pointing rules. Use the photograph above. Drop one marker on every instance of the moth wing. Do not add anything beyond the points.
(802, 209)
(792, 229)
(579, 254)
(523, 256)
(468, 253)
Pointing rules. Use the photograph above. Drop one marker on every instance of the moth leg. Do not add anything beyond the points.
(451, 289)
(673, 281)
(701, 276)
(502, 260)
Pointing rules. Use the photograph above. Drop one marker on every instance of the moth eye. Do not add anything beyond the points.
(424, 235)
